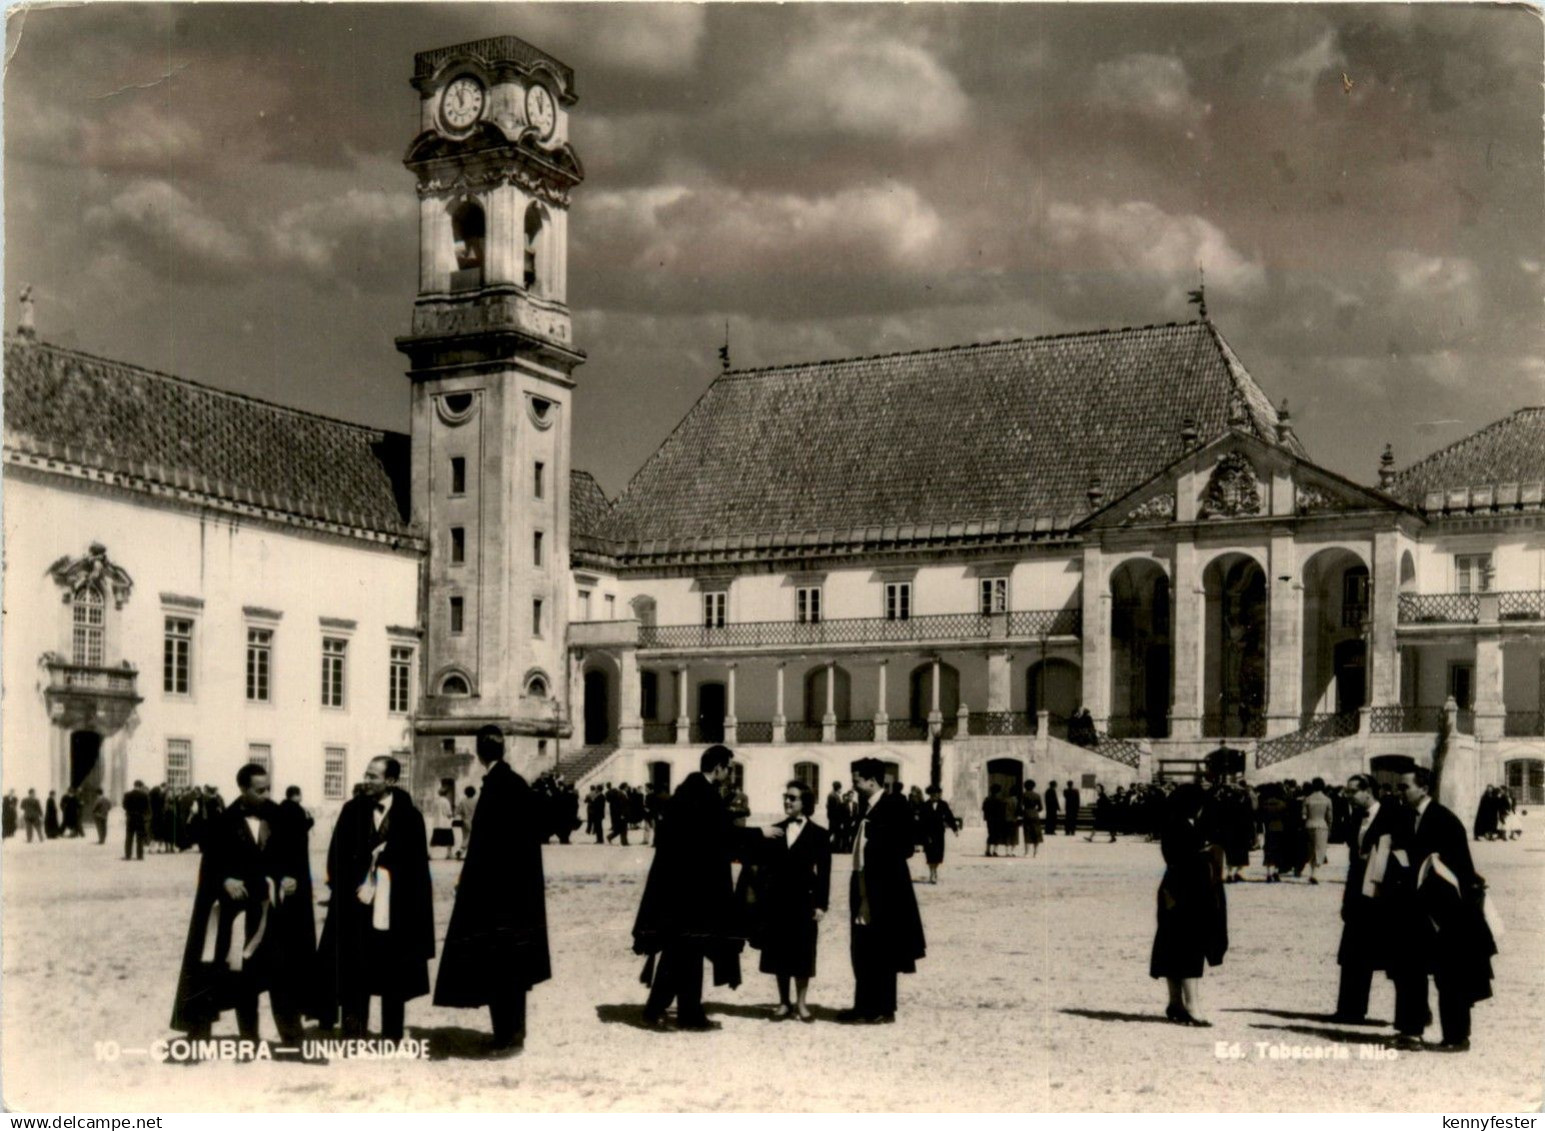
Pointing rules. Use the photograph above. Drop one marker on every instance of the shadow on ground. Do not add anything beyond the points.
(1117, 1015)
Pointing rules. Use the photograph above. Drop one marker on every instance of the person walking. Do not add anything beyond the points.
(933, 820)
(1317, 812)
(1374, 909)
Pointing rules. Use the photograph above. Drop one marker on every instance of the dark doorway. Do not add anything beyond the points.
(660, 777)
(1006, 773)
(86, 762)
(596, 709)
(1351, 676)
(710, 712)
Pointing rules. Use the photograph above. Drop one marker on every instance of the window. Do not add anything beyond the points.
(456, 616)
(611, 606)
(648, 696)
(807, 604)
(260, 652)
(536, 617)
(538, 488)
(468, 229)
(898, 600)
(1354, 597)
(334, 656)
(1472, 573)
(334, 772)
(88, 615)
(808, 774)
(994, 595)
(458, 545)
(179, 763)
(536, 548)
(584, 604)
(533, 236)
(536, 687)
(713, 608)
(455, 685)
(261, 754)
(401, 680)
(458, 475)
(176, 655)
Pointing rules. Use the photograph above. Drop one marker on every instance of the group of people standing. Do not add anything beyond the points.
(56, 817)
(253, 928)
(623, 808)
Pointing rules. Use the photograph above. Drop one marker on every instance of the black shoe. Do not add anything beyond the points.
(854, 1017)
(1452, 1046)
(1406, 1043)
(697, 1025)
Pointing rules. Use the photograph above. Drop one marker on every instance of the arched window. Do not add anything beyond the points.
(809, 775)
(536, 685)
(88, 613)
(467, 233)
(922, 692)
(454, 684)
(816, 705)
(534, 220)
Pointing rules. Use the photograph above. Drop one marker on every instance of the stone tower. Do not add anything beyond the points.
(491, 358)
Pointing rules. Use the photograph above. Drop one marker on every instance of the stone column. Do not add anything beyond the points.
(576, 703)
(1490, 710)
(1459, 788)
(881, 719)
(779, 721)
(730, 721)
(1285, 662)
(683, 720)
(999, 693)
(935, 716)
(1096, 644)
(1383, 676)
(829, 719)
(630, 728)
(1187, 631)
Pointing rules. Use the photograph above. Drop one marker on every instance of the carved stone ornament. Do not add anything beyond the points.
(1310, 500)
(79, 574)
(1160, 508)
(539, 187)
(1233, 490)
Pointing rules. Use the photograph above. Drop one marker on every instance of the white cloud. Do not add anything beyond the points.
(1297, 77)
(154, 218)
(319, 235)
(140, 136)
(855, 80)
(1153, 86)
(650, 39)
(1434, 291)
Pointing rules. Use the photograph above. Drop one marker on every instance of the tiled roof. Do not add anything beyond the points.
(168, 432)
(588, 510)
(1002, 434)
(1501, 465)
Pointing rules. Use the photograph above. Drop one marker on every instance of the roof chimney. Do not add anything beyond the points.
(1284, 424)
(1387, 467)
(1188, 432)
(1096, 492)
(25, 327)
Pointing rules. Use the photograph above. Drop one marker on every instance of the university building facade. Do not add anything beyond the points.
(935, 558)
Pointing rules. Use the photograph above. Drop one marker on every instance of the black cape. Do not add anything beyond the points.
(352, 958)
(498, 927)
(886, 881)
(1192, 912)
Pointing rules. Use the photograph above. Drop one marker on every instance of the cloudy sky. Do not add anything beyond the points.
(217, 191)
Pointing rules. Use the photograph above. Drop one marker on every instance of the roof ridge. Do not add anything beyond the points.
(22, 343)
(959, 347)
(1468, 438)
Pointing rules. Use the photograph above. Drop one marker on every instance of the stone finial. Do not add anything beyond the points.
(1188, 431)
(1096, 492)
(1238, 415)
(26, 320)
(1387, 467)
(1284, 423)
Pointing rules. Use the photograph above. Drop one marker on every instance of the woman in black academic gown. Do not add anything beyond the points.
(793, 891)
(1193, 916)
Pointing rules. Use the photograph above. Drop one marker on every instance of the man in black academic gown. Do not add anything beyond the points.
(687, 910)
(887, 931)
(496, 946)
(380, 930)
(1449, 937)
(252, 927)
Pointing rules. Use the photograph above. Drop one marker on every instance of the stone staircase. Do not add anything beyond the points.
(585, 760)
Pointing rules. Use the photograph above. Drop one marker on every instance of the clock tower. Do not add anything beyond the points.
(491, 360)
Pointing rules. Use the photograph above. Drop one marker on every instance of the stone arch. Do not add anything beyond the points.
(1054, 685)
(1335, 616)
(469, 231)
(1141, 649)
(921, 686)
(816, 706)
(1235, 626)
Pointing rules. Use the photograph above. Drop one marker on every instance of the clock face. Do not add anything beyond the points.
(462, 102)
(540, 111)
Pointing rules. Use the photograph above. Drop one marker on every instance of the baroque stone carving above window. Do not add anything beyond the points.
(1160, 508)
(76, 575)
(1310, 500)
(1233, 491)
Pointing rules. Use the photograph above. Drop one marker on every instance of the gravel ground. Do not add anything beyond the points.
(1034, 996)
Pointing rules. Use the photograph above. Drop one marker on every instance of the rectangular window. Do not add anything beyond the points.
(536, 617)
(1461, 685)
(458, 545)
(89, 614)
(538, 473)
(536, 548)
(401, 680)
(584, 604)
(456, 616)
(611, 607)
(179, 763)
(261, 754)
(334, 658)
(177, 656)
(458, 475)
(713, 608)
(994, 595)
(1472, 573)
(807, 604)
(260, 654)
(334, 772)
(898, 600)
(648, 695)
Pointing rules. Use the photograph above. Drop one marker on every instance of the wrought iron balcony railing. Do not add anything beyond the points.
(1404, 719)
(905, 730)
(862, 630)
(799, 731)
(1521, 604)
(660, 734)
(855, 730)
(1316, 731)
(1001, 723)
(753, 731)
(1439, 608)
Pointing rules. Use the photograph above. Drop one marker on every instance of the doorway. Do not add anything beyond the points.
(1006, 773)
(1351, 665)
(710, 712)
(596, 709)
(86, 764)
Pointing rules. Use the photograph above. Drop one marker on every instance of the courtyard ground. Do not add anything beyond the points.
(1034, 996)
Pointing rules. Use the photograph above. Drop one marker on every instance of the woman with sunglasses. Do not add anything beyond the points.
(793, 890)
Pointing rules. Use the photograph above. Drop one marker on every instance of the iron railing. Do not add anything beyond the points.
(855, 730)
(905, 730)
(1127, 753)
(1521, 604)
(1524, 724)
(1316, 731)
(753, 731)
(1439, 608)
(1353, 614)
(660, 734)
(90, 677)
(859, 630)
(1001, 723)
(1233, 726)
(1138, 726)
(799, 731)
(1404, 719)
